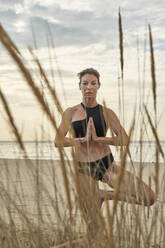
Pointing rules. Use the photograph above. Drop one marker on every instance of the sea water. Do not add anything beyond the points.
(144, 152)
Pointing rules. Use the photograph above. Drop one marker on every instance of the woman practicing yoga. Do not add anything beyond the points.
(89, 122)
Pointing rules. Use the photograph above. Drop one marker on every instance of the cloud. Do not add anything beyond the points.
(9, 4)
(85, 34)
(63, 36)
(7, 17)
(76, 27)
(6, 2)
(96, 23)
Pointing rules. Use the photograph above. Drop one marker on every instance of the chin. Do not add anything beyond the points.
(88, 97)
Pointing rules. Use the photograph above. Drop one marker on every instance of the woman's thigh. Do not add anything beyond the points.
(128, 183)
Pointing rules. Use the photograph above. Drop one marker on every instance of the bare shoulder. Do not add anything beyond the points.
(68, 113)
(110, 113)
(113, 121)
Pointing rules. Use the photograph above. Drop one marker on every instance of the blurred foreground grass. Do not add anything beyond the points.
(41, 202)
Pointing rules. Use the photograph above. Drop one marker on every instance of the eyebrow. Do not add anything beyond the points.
(88, 82)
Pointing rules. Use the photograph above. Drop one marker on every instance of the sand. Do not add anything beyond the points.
(25, 182)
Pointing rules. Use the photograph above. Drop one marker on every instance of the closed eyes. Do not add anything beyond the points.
(86, 83)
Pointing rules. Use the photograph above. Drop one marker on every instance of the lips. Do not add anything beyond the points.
(88, 93)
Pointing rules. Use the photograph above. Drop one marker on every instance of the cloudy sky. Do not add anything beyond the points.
(84, 34)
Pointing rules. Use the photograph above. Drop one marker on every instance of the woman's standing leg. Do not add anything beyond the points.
(89, 201)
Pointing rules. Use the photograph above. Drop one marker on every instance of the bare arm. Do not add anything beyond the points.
(61, 140)
(119, 139)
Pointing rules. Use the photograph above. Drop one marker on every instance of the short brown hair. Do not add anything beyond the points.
(89, 71)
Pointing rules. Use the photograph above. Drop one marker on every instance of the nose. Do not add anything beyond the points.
(89, 86)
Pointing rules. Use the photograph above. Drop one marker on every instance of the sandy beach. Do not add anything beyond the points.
(25, 182)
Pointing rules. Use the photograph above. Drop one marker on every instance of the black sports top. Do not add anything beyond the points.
(96, 113)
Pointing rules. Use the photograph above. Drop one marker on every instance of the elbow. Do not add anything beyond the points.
(56, 143)
(124, 141)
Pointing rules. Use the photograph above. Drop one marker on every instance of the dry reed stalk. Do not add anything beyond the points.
(121, 109)
(51, 90)
(121, 44)
(8, 39)
(38, 200)
(65, 177)
(33, 35)
(11, 121)
(69, 243)
(108, 122)
(6, 42)
(121, 48)
(93, 218)
(4, 234)
(53, 203)
(144, 65)
(154, 133)
(75, 176)
(50, 59)
(66, 187)
(153, 71)
(7, 199)
(121, 172)
(110, 225)
(66, 182)
(154, 85)
(111, 217)
(153, 229)
(18, 60)
(56, 206)
(110, 221)
(56, 59)
(76, 181)
(9, 46)
(143, 235)
(120, 178)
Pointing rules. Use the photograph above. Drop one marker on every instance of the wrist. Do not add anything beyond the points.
(76, 141)
(80, 140)
(96, 139)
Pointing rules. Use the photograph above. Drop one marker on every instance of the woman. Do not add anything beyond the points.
(89, 122)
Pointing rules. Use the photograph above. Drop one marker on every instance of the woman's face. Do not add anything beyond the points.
(89, 85)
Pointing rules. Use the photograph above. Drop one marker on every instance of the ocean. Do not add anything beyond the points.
(47, 150)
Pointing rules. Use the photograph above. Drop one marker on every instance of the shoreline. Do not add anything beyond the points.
(58, 160)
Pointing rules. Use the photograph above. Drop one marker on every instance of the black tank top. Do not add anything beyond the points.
(96, 113)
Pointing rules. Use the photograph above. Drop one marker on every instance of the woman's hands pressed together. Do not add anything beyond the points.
(90, 133)
(92, 130)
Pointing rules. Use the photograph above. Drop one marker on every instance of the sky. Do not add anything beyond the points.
(84, 34)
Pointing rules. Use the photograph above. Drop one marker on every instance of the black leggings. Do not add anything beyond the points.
(96, 169)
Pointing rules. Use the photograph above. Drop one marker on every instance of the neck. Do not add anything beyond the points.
(90, 102)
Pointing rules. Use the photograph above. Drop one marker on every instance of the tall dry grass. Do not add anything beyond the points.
(61, 219)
